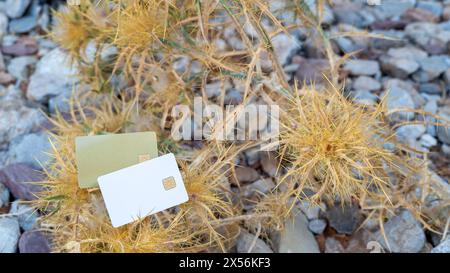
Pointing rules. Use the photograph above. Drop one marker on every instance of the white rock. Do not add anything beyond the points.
(428, 141)
(366, 83)
(362, 67)
(31, 149)
(9, 234)
(54, 74)
(245, 242)
(3, 24)
(16, 8)
(404, 234)
(4, 195)
(297, 238)
(443, 247)
(26, 215)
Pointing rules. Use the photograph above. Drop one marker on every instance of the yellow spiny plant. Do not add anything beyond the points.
(77, 218)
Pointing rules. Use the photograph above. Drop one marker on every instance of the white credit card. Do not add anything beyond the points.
(143, 189)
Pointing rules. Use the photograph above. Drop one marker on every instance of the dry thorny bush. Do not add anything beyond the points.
(330, 148)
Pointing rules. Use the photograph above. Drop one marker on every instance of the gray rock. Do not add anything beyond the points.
(23, 25)
(4, 195)
(245, 242)
(213, 89)
(285, 46)
(344, 219)
(398, 67)
(393, 8)
(432, 108)
(263, 186)
(443, 132)
(364, 97)
(253, 156)
(20, 67)
(311, 211)
(18, 179)
(431, 6)
(403, 233)
(407, 52)
(366, 83)
(362, 67)
(3, 24)
(246, 174)
(60, 103)
(443, 247)
(428, 36)
(431, 68)
(297, 238)
(9, 234)
(428, 141)
(410, 132)
(317, 226)
(385, 44)
(26, 215)
(34, 242)
(233, 97)
(430, 88)
(25, 120)
(16, 8)
(397, 96)
(54, 75)
(31, 149)
(269, 163)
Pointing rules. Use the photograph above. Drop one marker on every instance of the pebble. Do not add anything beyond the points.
(246, 174)
(23, 25)
(407, 52)
(3, 24)
(285, 46)
(404, 234)
(263, 186)
(366, 83)
(25, 120)
(428, 141)
(443, 132)
(21, 67)
(16, 8)
(430, 88)
(443, 247)
(362, 67)
(410, 132)
(21, 47)
(431, 68)
(34, 242)
(431, 6)
(317, 226)
(245, 241)
(364, 97)
(345, 219)
(310, 70)
(398, 67)
(17, 178)
(311, 212)
(54, 75)
(432, 108)
(31, 149)
(269, 164)
(4, 195)
(9, 234)
(296, 237)
(429, 37)
(396, 97)
(26, 215)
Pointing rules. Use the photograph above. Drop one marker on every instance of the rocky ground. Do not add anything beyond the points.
(36, 79)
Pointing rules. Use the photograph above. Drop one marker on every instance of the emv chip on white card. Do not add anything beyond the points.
(143, 189)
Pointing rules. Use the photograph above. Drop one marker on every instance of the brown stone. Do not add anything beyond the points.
(18, 177)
